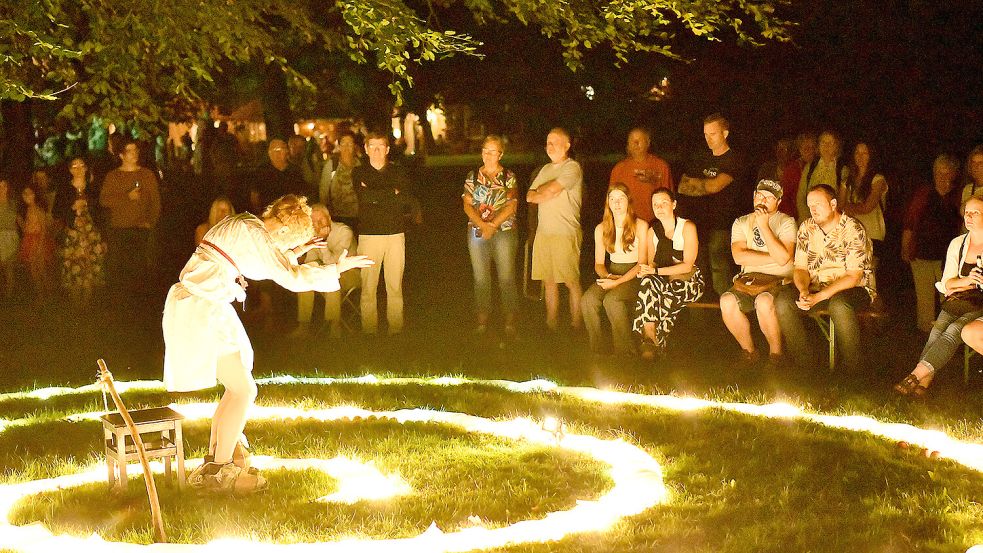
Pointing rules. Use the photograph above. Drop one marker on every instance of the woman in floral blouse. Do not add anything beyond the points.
(490, 200)
(82, 251)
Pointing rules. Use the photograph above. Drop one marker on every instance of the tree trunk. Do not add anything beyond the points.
(17, 150)
(276, 104)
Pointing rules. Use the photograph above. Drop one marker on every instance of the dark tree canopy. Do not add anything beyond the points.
(149, 61)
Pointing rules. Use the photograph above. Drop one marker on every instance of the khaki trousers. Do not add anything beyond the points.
(387, 251)
(332, 300)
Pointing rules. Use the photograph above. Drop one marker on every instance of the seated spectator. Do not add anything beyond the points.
(974, 174)
(828, 169)
(617, 242)
(82, 251)
(832, 272)
(863, 195)
(337, 239)
(763, 244)
(642, 172)
(805, 143)
(220, 209)
(931, 221)
(669, 277)
(962, 280)
(490, 200)
(9, 238)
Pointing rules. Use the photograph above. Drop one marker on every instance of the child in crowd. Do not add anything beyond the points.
(36, 247)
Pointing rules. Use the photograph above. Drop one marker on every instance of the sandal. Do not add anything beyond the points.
(910, 386)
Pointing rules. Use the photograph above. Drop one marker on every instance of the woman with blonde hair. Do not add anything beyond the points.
(220, 209)
(617, 243)
(204, 339)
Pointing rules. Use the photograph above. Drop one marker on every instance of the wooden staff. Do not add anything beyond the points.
(106, 378)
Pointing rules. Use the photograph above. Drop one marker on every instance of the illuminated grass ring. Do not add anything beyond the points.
(638, 486)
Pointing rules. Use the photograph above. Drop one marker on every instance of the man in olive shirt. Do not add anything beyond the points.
(132, 200)
(383, 206)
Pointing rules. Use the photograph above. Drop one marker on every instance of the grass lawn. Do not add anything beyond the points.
(738, 483)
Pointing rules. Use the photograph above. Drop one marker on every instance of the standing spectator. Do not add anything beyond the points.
(490, 200)
(220, 209)
(339, 193)
(279, 177)
(863, 194)
(773, 169)
(383, 206)
(711, 190)
(557, 190)
(974, 174)
(931, 222)
(132, 200)
(961, 282)
(46, 193)
(827, 169)
(805, 143)
(300, 161)
(763, 244)
(670, 277)
(36, 246)
(9, 238)
(617, 243)
(338, 239)
(833, 272)
(642, 172)
(83, 253)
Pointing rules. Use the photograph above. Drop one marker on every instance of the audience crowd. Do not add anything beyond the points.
(802, 240)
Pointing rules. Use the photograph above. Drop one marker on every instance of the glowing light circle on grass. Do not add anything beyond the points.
(968, 454)
(637, 477)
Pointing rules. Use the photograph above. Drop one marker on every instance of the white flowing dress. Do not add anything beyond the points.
(200, 325)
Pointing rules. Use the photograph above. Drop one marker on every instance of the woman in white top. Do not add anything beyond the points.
(617, 243)
(204, 339)
(670, 277)
(962, 280)
(863, 194)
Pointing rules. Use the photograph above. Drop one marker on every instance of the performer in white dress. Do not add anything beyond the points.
(204, 339)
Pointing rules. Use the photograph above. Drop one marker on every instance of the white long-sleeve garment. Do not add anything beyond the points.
(200, 325)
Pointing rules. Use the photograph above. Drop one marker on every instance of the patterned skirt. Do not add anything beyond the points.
(660, 300)
(83, 255)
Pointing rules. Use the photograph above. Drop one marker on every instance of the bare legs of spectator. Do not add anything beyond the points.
(551, 295)
(740, 327)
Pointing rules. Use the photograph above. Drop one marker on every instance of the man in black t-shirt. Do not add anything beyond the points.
(710, 194)
(384, 204)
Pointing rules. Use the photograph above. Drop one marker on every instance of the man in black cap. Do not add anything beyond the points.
(763, 244)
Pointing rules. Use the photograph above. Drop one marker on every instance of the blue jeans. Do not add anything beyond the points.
(945, 338)
(501, 249)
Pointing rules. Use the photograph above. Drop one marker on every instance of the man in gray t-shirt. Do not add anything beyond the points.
(557, 191)
(763, 244)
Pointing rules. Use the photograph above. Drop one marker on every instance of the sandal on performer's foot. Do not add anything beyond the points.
(229, 478)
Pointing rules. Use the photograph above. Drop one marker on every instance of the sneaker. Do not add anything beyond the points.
(746, 361)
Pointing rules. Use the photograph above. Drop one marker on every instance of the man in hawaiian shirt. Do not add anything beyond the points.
(833, 271)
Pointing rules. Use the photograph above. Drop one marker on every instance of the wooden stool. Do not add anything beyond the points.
(167, 441)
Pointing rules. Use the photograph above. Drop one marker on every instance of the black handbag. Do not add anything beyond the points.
(963, 302)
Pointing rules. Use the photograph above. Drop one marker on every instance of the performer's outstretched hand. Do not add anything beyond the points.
(313, 243)
(354, 262)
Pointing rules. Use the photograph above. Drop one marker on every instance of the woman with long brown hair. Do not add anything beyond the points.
(617, 243)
